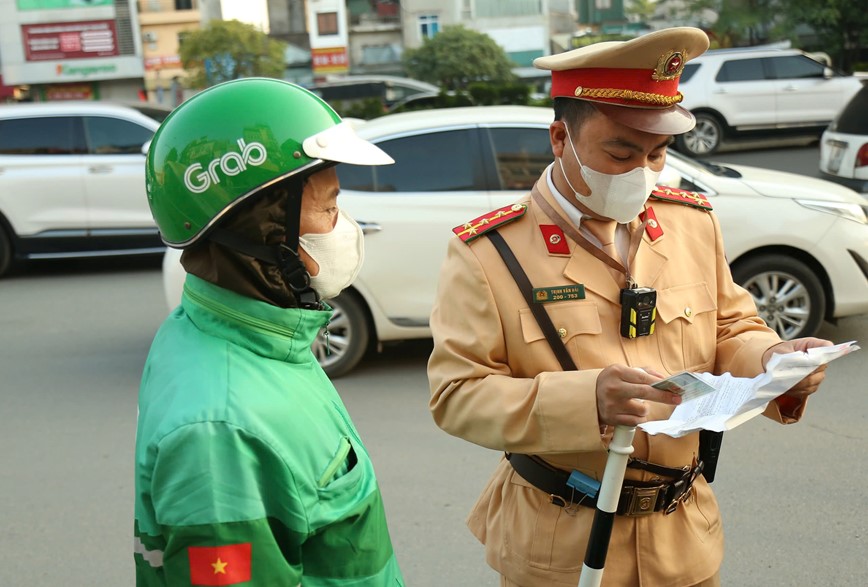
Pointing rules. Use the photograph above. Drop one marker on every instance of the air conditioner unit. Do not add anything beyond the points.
(149, 37)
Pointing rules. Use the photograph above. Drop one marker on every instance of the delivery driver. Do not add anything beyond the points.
(634, 289)
(249, 470)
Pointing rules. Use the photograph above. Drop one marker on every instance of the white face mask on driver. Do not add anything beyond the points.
(619, 197)
(339, 254)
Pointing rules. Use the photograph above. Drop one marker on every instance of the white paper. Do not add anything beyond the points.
(738, 399)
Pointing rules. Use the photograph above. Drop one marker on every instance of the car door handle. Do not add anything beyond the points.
(100, 169)
(369, 227)
(791, 89)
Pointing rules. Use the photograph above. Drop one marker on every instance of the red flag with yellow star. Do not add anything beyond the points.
(219, 565)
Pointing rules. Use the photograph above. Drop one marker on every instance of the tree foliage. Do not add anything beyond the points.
(457, 56)
(643, 9)
(840, 27)
(229, 49)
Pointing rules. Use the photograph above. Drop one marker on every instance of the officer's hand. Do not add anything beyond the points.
(621, 395)
(811, 383)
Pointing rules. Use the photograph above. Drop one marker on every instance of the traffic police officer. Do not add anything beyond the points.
(580, 247)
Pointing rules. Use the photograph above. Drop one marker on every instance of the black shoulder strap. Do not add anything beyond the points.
(524, 285)
(709, 442)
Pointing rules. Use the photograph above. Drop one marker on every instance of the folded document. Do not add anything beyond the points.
(738, 399)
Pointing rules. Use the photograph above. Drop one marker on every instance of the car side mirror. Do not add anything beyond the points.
(145, 148)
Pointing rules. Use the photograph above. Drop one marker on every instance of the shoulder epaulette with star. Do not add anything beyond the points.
(679, 196)
(479, 226)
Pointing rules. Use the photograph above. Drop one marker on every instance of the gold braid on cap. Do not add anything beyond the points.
(646, 97)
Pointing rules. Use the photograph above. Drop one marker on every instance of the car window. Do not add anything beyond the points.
(854, 117)
(521, 155)
(688, 72)
(741, 70)
(432, 162)
(49, 135)
(111, 136)
(356, 177)
(796, 67)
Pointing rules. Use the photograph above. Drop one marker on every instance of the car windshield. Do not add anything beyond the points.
(710, 167)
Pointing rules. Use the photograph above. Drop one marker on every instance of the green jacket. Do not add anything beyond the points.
(248, 468)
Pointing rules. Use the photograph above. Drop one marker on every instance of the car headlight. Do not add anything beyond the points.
(847, 210)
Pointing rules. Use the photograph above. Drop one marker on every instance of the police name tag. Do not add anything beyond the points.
(562, 293)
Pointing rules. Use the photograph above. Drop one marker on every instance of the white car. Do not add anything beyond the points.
(799, 245)
(740, 91)
(72, 181)
(844, 146)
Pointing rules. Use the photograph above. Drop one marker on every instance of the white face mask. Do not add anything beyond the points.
(338, 253)
(619, 197)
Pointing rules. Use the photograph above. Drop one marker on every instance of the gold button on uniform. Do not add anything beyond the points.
(688, 312)
(562, 332)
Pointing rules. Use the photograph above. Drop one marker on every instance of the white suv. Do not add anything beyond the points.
(739, 91)
(72, 181)
(798, 244)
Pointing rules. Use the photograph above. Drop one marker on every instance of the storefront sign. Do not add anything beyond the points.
(69, 92)
(69, 40)
(162, 62)
(330, 60)
(51, 4)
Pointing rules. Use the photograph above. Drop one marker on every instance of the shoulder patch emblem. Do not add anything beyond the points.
(678, 196)
(479, 226)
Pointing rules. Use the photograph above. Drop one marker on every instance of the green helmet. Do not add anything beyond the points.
(228, 142)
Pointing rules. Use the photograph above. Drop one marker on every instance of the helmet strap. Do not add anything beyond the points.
(285, 255)
(291, 267)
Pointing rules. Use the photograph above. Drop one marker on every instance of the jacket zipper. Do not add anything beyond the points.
(260, 325)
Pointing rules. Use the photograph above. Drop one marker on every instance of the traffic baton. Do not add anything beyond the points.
(620, 449)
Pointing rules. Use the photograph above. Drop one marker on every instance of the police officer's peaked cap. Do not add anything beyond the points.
(634, 82)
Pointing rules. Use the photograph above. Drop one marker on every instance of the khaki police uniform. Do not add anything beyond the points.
(496, 382)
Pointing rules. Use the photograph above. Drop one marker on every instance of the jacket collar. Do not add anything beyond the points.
(283, 334)
(584, 268)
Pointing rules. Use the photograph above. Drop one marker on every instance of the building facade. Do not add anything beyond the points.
(163, 25)
(71, 49)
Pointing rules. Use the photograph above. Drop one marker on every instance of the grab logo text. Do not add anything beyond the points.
(198, 179)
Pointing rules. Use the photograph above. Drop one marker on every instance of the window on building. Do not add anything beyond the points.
(379, 54)
(429, 26)
(327, 23)
(183, 4)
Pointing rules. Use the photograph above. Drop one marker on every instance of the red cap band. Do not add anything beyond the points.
(626, 87)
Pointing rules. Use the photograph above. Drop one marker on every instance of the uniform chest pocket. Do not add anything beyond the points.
(688, 330)
(574, 323)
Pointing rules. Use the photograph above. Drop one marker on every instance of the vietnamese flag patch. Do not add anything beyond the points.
(219, 565)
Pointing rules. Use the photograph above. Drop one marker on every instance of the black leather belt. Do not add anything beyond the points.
(638, 498)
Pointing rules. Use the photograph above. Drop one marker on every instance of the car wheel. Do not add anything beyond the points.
(704, 139)
(788, 295)
(348, 336)
(5, 252)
